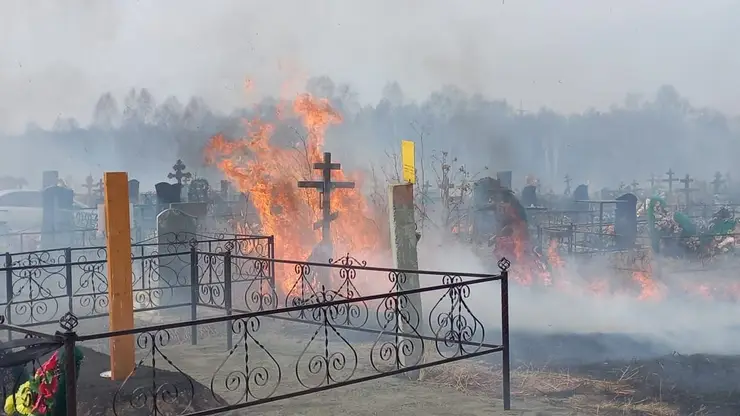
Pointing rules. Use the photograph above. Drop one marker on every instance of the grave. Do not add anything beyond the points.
(57, 221)
(133, 191)
(174, 271)
(625, 221)
(529, 196)
(504, 178)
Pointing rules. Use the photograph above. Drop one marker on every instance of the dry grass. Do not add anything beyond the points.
(561, 389)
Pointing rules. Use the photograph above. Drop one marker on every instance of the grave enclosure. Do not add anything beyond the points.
(232, 285)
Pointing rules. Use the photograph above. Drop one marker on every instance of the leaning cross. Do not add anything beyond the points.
(567, 184)
(180, 173)
(670, 180)
(325, 186)
(717, 182)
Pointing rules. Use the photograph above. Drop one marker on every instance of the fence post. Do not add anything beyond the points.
(71, 371)
(271, 271)
(8, 292)
(227, 298)
(68, 277)
(194, 293)
(505, 359)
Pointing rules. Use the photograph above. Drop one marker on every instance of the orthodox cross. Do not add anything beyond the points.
(670, 180)
(325, 186)
(687, 189)
(567, 184)
(179, 175)
(89, 185)
(653, 180)
(622, 187)
(717, 182)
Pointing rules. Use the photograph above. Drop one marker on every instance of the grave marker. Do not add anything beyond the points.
(717, 183)
(670, 180)
(325, 187)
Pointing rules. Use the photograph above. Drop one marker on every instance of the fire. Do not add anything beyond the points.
(270, 175)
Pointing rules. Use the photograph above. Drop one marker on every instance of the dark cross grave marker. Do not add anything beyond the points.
(89, 185)
(179, 175)
(670, 180)
(717, 183)
(567, 184)
(622, 187)
(687, 189)
(325, 186)
(652, 180)
(99, 192)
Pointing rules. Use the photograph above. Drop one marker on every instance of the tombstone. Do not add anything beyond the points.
(133, 191)
(224, 191)
(198, 210)
(625, 221)
(167, 193)
(49, 178)
(504, 178)
(581, 194)
(199, 190)
(529, 196)
(57, 221)
(174, 230)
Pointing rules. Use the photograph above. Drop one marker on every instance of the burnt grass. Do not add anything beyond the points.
(697, 384)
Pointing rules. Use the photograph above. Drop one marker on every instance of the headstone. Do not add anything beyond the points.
(625, 221)
(167, 193)
(224, 191)
(174, 271)
(529, 196)
(133, 191)
(403, 246)
(581, 194)
(57, 218)
(49, 178)
(504, 178)
(198, 210)
(199, 190)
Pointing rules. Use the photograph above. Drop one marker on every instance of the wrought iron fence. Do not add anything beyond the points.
(350, 338)
(40, 286)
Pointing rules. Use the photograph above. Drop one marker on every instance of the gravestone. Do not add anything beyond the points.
(133, 191)
(167, 193)
(224, 191)
(57, 221)
(581, 194)
(625, 221)
(174, 271)
(529, 196)
(198, 210)
(49, 178)
(504, 178)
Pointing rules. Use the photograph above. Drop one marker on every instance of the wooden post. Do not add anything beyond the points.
(120, 294)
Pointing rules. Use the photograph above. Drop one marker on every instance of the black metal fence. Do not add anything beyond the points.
(40, 286)
(340, 337)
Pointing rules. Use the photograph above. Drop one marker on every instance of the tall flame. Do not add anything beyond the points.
(269, 174)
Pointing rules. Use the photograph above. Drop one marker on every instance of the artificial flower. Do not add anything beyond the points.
(20, 402)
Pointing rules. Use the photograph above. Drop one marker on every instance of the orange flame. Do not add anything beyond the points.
(270, 175)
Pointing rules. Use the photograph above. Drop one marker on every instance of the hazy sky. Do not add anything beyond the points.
(57, 57)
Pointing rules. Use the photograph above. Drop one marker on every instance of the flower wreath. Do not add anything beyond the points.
(36, 396)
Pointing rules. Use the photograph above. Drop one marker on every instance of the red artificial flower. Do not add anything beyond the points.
(51, 364)
(40, 407)
(47, 390)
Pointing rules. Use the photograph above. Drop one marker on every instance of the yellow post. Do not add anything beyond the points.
(120, 291)
(408, 159)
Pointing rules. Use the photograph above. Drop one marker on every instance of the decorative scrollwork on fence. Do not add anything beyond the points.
(324, 361)
(37, 284)
(400, 320)
(156, 393)
(355, 314)
(457, 331)
(211, 285)
(256, 374)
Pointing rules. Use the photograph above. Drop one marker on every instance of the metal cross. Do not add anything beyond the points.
(717, 182)
(653, 179)
(670, 180)
(180, 173)
(89, 185)
(325, 186)
(567, 184)
(687, 189)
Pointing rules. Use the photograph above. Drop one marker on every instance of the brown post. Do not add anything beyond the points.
(120, 290)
